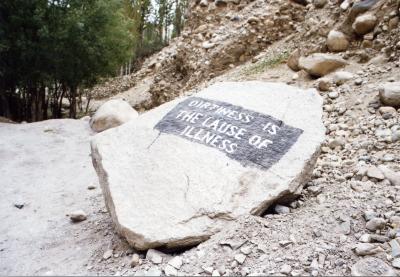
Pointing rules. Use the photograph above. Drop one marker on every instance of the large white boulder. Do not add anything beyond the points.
(321, 64)
(175, 176)
(112, 114)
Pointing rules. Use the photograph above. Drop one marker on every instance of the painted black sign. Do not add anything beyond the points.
(249, 137)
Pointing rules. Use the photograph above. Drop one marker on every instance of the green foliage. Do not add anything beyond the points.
(52, 49)
(50, 44)
(267, 63)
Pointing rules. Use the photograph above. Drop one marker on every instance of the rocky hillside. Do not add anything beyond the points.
(221, 35)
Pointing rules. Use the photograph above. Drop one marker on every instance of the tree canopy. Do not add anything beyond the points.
(52, 49)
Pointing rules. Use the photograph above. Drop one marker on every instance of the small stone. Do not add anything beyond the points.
(284, 243)
(286, 269)
(375, 224)
(387, 110)
(154, 256)
(321, 64)
(108, 254)
(220, 3)
(111, 114)
(246, 250)
(378, 238)
(240, 258)
(135, 260)
(371, 266)
(293, 60)
(365, 238)
(337, 41)
(319, 4)
(345, 5)
(19, 205)
(170, 271)
(215, 273)
(78, 216)
(394, 244)
(208, 269)
(392, 176)
(396, 263)
(370, 214)
(333, 95)
(280, 209)
(91, 187)
(153, 272)
(374, 172)
(389, 94)
(364, 24)
(176, 262)
(324, 84)
(341, 77)
(364, 249)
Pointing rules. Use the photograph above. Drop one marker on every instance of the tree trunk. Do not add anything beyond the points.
(72, 102)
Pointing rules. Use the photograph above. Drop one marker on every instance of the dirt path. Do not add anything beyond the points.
(46, 167)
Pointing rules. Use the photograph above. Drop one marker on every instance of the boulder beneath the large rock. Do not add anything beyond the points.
(112, 114)
(177, 174)
(320, 64)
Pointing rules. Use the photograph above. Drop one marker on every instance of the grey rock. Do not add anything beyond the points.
(364, 24)
(394, 244)
(319, 4)
(286, 269)
(154, 256)
(376, 224)
(320, 64)
(371, 266)
(392, 176)
(170, 270)
(280, 209)
(176, 262)
(337, 41)
(375, 172)
(378, 238)
(108, 254)
(78, 216)
(111, 114)
(341, 77)
(154, 271)
(240, 258)
(389, 94)
(325, 84)
(135, 260)
(384, 135)
(221, 3)
(364, 249)
(293, 60)
(396, 263)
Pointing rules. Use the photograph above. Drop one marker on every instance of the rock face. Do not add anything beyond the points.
(112, 114)
(337, 41)
(389, 94)
(364, 24)
(176, 176)
(320, 64)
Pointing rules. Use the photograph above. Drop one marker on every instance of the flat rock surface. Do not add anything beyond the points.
(166, 183)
